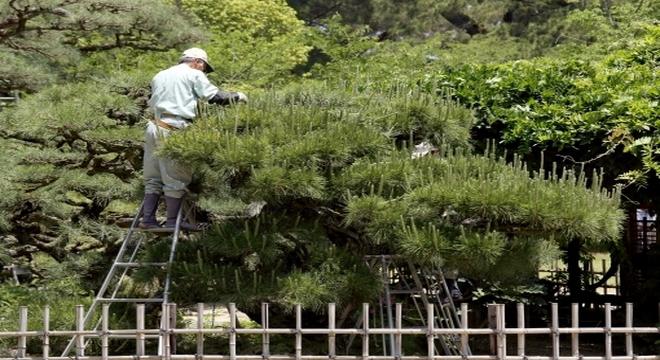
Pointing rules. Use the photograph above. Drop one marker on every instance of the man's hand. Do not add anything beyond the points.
(242, 97)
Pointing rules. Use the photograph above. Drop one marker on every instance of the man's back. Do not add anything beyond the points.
(175, 91)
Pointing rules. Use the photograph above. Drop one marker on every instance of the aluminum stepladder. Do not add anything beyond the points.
(126, 260)
(419, 286)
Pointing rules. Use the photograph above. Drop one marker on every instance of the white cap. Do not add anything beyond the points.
(197, 53)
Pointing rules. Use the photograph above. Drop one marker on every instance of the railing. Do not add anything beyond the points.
(499, 334)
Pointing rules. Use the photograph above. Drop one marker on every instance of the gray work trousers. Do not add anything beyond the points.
(162, 175)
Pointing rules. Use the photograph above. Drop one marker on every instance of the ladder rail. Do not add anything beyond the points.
(175, 240)
(127, 264)
(108, 279)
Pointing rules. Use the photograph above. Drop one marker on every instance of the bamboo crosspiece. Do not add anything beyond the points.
(167, 330)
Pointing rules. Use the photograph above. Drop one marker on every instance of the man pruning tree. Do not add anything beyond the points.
(174, 96)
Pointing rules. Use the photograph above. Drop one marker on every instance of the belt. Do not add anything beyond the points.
(164, 125)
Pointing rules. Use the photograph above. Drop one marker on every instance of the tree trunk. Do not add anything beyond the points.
(574, 270)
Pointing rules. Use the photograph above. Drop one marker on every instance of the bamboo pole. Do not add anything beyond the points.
(520, 312)
(298, 332)
(200, 326)
(365, 329)
(430, 323)
(46, 339)
(105, 310)
(398, 339)
(232, 331)
(332, 339)
(501, 335)
(629, 323)
(575, 323)
(464, 326)
(555, 330)
(172, 325)
(22, 327)
(80, 327)
(608, 331)
(139, 323)
(165, 332)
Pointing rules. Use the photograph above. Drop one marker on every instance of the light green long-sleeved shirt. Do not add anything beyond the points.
(175, 92)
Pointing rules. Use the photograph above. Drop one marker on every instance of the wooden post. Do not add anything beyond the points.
(298, 332)
(46, 340)
(80, 327)
(398, 338)
(365, 334)
(492, 324)
(105, 310)
(520, 312)
(332, 338)
(232, 331)
(575, 323)
(172, 325)
(165, 332)
(501, 336)
(22, 327)
(200, 326)
(464, 326)
(430, 324)
(629, 324)
(555, 330)
(139, 335)
(608, 331)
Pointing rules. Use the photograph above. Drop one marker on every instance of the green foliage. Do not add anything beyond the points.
(548, 103)
(53, 35)
(251, 41)
(312, 152)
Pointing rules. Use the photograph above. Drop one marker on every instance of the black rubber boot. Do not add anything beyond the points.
(149, 210)
(173, 206)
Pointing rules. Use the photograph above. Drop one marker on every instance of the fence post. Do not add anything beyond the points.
(629, 324)
(298, 331)
(265, 319)
(139, 324)
(464, 326)
(46, 340)
(608, 331)
(365, 328)
(22, 327)
(172, 325)
(398, 337)
(501, 336)
(492, 324)
(200, 326)
(430, 323)
(80, 327)
(332, 352)
(165, 331)
(575, 324)
(105, 311)
(555, 330)
(232, 331)
(520, 310)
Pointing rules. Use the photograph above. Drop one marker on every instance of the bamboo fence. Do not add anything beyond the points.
(167, 332)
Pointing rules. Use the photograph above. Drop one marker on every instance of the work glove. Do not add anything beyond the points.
(242, 97)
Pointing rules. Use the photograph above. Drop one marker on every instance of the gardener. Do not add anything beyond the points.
(174, 96)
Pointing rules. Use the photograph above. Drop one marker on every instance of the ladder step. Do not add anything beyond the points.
(130, 300)
(143, 264)
(159, 230)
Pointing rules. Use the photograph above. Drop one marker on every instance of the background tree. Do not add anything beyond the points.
(38, 39)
